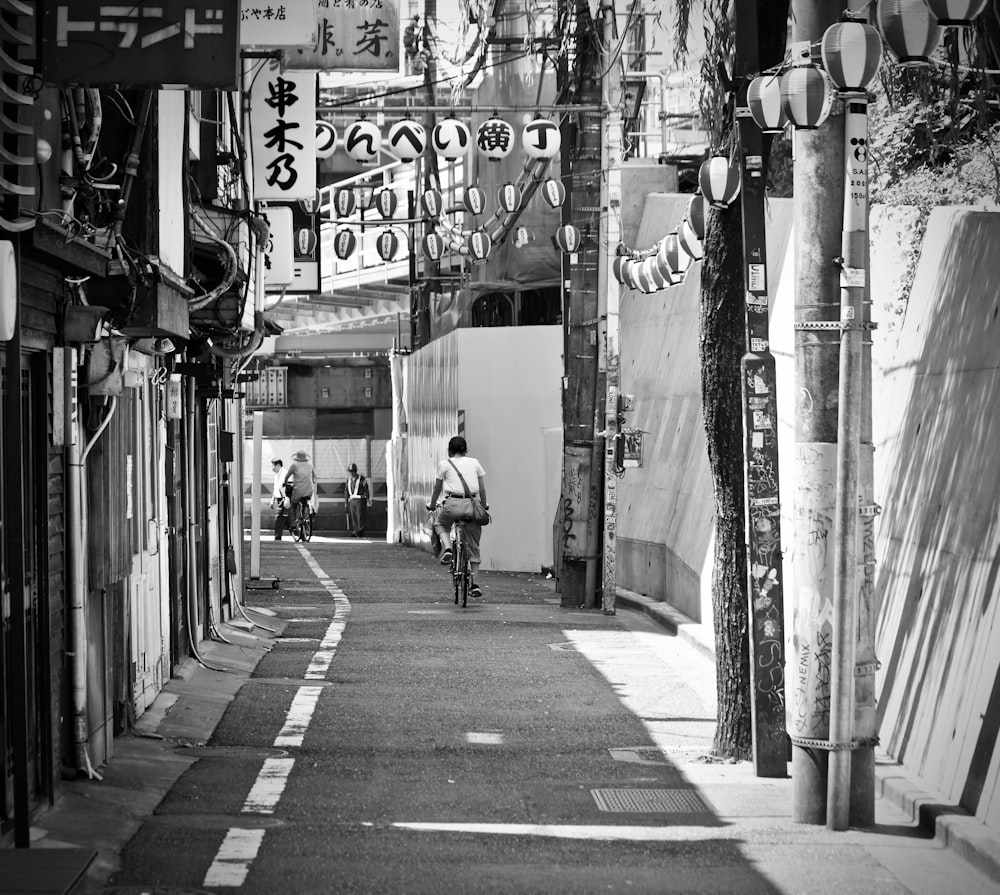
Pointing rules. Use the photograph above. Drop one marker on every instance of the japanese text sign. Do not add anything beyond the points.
(174, 42)
(291, 23)
(354, 35)
(283, 133)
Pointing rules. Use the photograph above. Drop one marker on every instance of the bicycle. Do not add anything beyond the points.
(301, 525)
(461, 571)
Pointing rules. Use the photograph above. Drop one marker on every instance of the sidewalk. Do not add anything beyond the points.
(949, 823)
(104, 816)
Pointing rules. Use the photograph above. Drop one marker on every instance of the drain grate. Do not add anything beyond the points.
(672, 801)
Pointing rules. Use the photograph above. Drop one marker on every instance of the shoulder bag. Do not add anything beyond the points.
(472, 509)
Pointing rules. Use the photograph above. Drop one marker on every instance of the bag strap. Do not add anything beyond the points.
(465, 485)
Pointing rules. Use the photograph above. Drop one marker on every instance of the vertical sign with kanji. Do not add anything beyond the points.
(354, 35)
(171, 43)
(283, 133)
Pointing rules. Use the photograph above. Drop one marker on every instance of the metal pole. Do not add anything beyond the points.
(852, 281)
(255, 475)
(762, 500)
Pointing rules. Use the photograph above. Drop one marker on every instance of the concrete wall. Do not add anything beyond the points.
(936, 414)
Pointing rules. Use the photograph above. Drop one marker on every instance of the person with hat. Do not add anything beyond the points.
(300, 483)
(279, 501)
(357, 498)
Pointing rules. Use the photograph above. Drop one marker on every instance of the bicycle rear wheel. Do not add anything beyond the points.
(307, 526)
(462, 569)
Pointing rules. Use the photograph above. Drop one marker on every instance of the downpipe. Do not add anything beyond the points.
(77, 540)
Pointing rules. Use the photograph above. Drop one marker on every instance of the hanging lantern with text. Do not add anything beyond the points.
(509, 197)
(554, 192)
(326, 139)
(474, 200)
(345, 202)
(764, 100)
(541, 138)
(386, 202)
(479, 245)
(407, 139)
(852, 53)
(806, 96)
(567, 238)
(362, 141)
(522, 236)
(956, 13)
(387, 244)
(495, 139)
(450, 139)
(432, 201)
(719, 179)
(696, 214)
(345, 243)
(433, 246)
(910, 29)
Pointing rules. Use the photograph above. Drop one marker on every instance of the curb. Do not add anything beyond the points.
(950, 824)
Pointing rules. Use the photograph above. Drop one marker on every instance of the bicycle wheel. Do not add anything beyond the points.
(297, 527)
(307, 526)
(455, 554)
(462, 576)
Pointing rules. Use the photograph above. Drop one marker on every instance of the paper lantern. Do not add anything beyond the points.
(495, 139)
(628, 274)
(363, 141)
(386, 202)
(677, 259)
(474, 200)
(719, 178)
(764, 100)
(306, 241)
(479, 245)
(541, 138)
(509, 197)
(451, 139)
(567, 238)
(696, 214)
(956, 13)
(326, 139)
(616, 267)
(345, 202)
(387, 244)
(689, 242)
(433, 246)
(554, 192)
(407, 139)
(641, 274)
(345, 243)
(806, 96)
(663, 262)
(910, 29)
(522, 236)
(657, 278)
(432, 201)
(852, 53)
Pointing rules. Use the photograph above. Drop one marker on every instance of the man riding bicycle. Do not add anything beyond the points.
(300, 486)
(450, 473)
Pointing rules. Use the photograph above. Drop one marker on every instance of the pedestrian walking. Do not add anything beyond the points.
(279, 501)
(357, 498)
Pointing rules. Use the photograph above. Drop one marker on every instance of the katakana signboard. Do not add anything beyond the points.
(291, 23)
(283, 133)
(172, 43)
(354, 35)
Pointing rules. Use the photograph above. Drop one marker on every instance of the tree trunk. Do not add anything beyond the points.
(721, 347)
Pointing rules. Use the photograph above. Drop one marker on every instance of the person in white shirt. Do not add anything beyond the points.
(279, 501)
(448, 485)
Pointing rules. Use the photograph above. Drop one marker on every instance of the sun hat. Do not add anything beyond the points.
(301, 455)
(353, 467)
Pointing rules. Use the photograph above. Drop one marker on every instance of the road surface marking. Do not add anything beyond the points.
(236, 854)
(269, 786)
(298, 717)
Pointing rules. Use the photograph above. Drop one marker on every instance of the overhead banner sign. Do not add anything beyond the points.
(173, 43)
(353, 35)
(283, 133)
(292, 23)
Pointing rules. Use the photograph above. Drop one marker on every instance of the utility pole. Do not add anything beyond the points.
(582, 484)
(610, 237)
(818, 210)
(762, 502)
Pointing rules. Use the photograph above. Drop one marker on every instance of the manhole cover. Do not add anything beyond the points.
(672, 801)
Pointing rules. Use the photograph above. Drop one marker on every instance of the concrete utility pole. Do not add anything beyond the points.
(582, 483)
(610, 237)
(818, 209)
(765, 578)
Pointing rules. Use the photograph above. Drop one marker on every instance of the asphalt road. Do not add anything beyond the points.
(391, 742)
